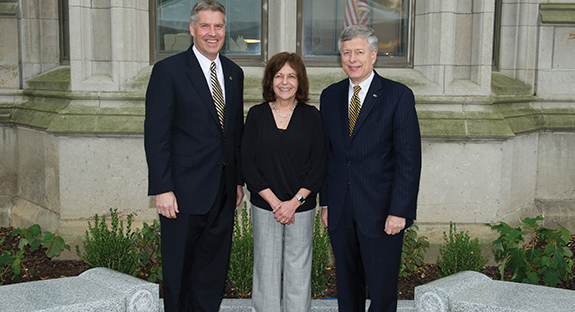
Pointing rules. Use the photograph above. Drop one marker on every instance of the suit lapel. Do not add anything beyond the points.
(343, 108)
(371, 98)
(198, 80)
(229, 90)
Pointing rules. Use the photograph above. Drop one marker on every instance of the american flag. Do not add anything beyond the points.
(356, 12)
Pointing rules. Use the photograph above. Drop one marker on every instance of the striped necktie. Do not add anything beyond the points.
(354, 107)
(217, 94)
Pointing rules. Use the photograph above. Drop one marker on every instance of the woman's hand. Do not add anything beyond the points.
(270, 198)
(285, 211)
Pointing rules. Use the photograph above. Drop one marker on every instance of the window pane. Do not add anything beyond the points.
(243, 27)
(64, 21)
(496, 36)
(324, 20)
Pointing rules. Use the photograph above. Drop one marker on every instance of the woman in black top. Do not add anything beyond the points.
(283, 164)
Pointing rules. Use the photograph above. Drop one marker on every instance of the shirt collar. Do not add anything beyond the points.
(204, 61)
(364, 84)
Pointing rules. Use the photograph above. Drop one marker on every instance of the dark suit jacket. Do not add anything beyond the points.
(380, 164)
(185, 147)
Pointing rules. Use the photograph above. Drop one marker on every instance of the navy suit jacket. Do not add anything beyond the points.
(185, 146)
(380, 164)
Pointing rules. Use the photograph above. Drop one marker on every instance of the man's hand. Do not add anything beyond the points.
(239, 195)
(394, 225)
(323, 215)
(167, 205)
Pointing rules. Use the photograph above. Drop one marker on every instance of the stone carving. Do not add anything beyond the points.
(141, 301)
(431, 302)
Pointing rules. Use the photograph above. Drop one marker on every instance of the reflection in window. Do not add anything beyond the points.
(243, 28)
(324, 20)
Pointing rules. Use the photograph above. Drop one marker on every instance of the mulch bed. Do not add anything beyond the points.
(39, 267)
(36, 266)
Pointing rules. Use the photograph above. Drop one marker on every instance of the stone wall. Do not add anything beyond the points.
(497, 145)
(39, 36)
(9, 57)
(483, 161)
(8, 172)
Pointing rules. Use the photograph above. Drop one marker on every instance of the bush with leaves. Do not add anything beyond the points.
(546, 260)
(110, 247)
(459, 253)
(412, 252)
(320, 273)
(30, 239)
(240, 273)
(149, 254)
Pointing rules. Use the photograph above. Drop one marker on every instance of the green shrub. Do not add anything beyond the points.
(30, 240)
(240, 273)
(546, 260)
(413, 251)
(149, 254)
(5, 261)
(110, 247)
(459, 253)
(320, 273)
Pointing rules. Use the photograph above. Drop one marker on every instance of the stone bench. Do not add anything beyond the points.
(98, 289)
(472, 291)
(102, 289)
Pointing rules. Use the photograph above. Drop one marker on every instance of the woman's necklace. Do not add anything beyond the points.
(286, 115)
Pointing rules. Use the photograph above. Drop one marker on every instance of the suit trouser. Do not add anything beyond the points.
(195, 257)
(278, 246)
(361, 260)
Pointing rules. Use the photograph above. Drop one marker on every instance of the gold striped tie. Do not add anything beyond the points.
(217, 94)
(354, 107)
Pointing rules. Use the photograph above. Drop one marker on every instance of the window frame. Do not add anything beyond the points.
(332, 61)
(64, 31)
(242, 60)
(496, 35)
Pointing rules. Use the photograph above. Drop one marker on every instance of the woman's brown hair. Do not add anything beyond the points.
(274, 65)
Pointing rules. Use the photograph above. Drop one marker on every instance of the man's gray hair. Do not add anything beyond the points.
(211, 5)
(358, 31)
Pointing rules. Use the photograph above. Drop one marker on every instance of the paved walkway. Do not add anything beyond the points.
(244, 305)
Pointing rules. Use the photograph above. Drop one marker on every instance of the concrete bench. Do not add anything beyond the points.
(472, 291)
(102, 289)
(98, 289)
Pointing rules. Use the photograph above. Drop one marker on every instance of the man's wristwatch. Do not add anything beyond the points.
(299, 198)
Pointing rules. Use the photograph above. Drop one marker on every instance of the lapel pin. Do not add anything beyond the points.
(230, 77)
(375, 95)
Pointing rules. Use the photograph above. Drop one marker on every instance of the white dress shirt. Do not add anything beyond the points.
(362, 93)
(205, 65)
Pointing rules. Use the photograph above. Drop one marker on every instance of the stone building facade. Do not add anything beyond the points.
(494, 84)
